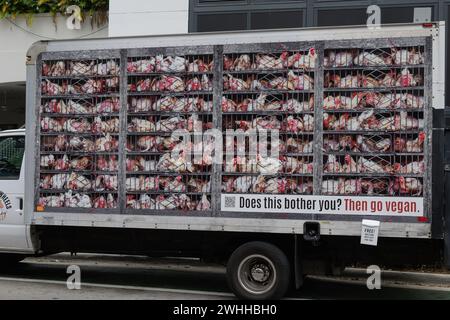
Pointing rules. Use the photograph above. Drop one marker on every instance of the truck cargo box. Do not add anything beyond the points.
(251, 131)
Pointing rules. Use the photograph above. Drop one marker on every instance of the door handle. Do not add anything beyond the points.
(20, 210)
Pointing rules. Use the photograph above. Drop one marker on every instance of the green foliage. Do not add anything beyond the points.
(13, 8)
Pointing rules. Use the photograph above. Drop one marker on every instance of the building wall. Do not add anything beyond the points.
(217, 15)
(16, 37)
(137, 17)
(206, 15)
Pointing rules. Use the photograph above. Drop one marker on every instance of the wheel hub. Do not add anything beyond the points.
(260, 272)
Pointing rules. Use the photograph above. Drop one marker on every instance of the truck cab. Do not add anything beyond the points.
(14, 233)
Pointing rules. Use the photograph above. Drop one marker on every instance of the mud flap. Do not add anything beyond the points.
(298, 266)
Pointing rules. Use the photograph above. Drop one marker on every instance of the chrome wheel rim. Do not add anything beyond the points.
(257, 274)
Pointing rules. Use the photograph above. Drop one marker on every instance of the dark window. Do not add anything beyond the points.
(221, 22)
(341, 17)
(11, 154)
(274, 19)
(244, 1)
(274, 1)
(218, 1)
(398, 14)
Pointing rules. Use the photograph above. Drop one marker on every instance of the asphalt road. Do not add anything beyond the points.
(108, 277)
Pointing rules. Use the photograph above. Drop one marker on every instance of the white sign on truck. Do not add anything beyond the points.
(369, 232)
(339, 205)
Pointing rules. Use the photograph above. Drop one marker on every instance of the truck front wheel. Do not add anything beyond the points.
(258, 271)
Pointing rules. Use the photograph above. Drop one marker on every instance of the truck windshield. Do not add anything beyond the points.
(11, 154)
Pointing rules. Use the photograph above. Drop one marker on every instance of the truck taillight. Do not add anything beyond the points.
(39, 208)
(428, 25)
(422, 219)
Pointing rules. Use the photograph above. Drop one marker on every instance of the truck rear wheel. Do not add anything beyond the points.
(258, 271)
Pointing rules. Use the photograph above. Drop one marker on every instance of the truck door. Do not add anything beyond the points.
(13, 236)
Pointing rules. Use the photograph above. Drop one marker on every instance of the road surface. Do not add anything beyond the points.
(135, 278)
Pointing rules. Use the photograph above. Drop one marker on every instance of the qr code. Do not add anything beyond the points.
(230, 202)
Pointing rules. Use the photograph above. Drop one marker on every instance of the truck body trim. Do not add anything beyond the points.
(331, 228)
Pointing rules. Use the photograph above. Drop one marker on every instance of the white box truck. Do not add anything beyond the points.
(264, 150)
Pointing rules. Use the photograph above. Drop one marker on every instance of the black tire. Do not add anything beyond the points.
(270, 266)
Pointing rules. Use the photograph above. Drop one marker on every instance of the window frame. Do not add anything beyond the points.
(310, 7)
(245, 6)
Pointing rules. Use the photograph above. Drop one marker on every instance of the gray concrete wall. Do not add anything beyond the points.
(16, 37)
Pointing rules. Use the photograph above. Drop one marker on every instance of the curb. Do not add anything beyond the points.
(193, 265)
(403, 276)
(125, 261)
